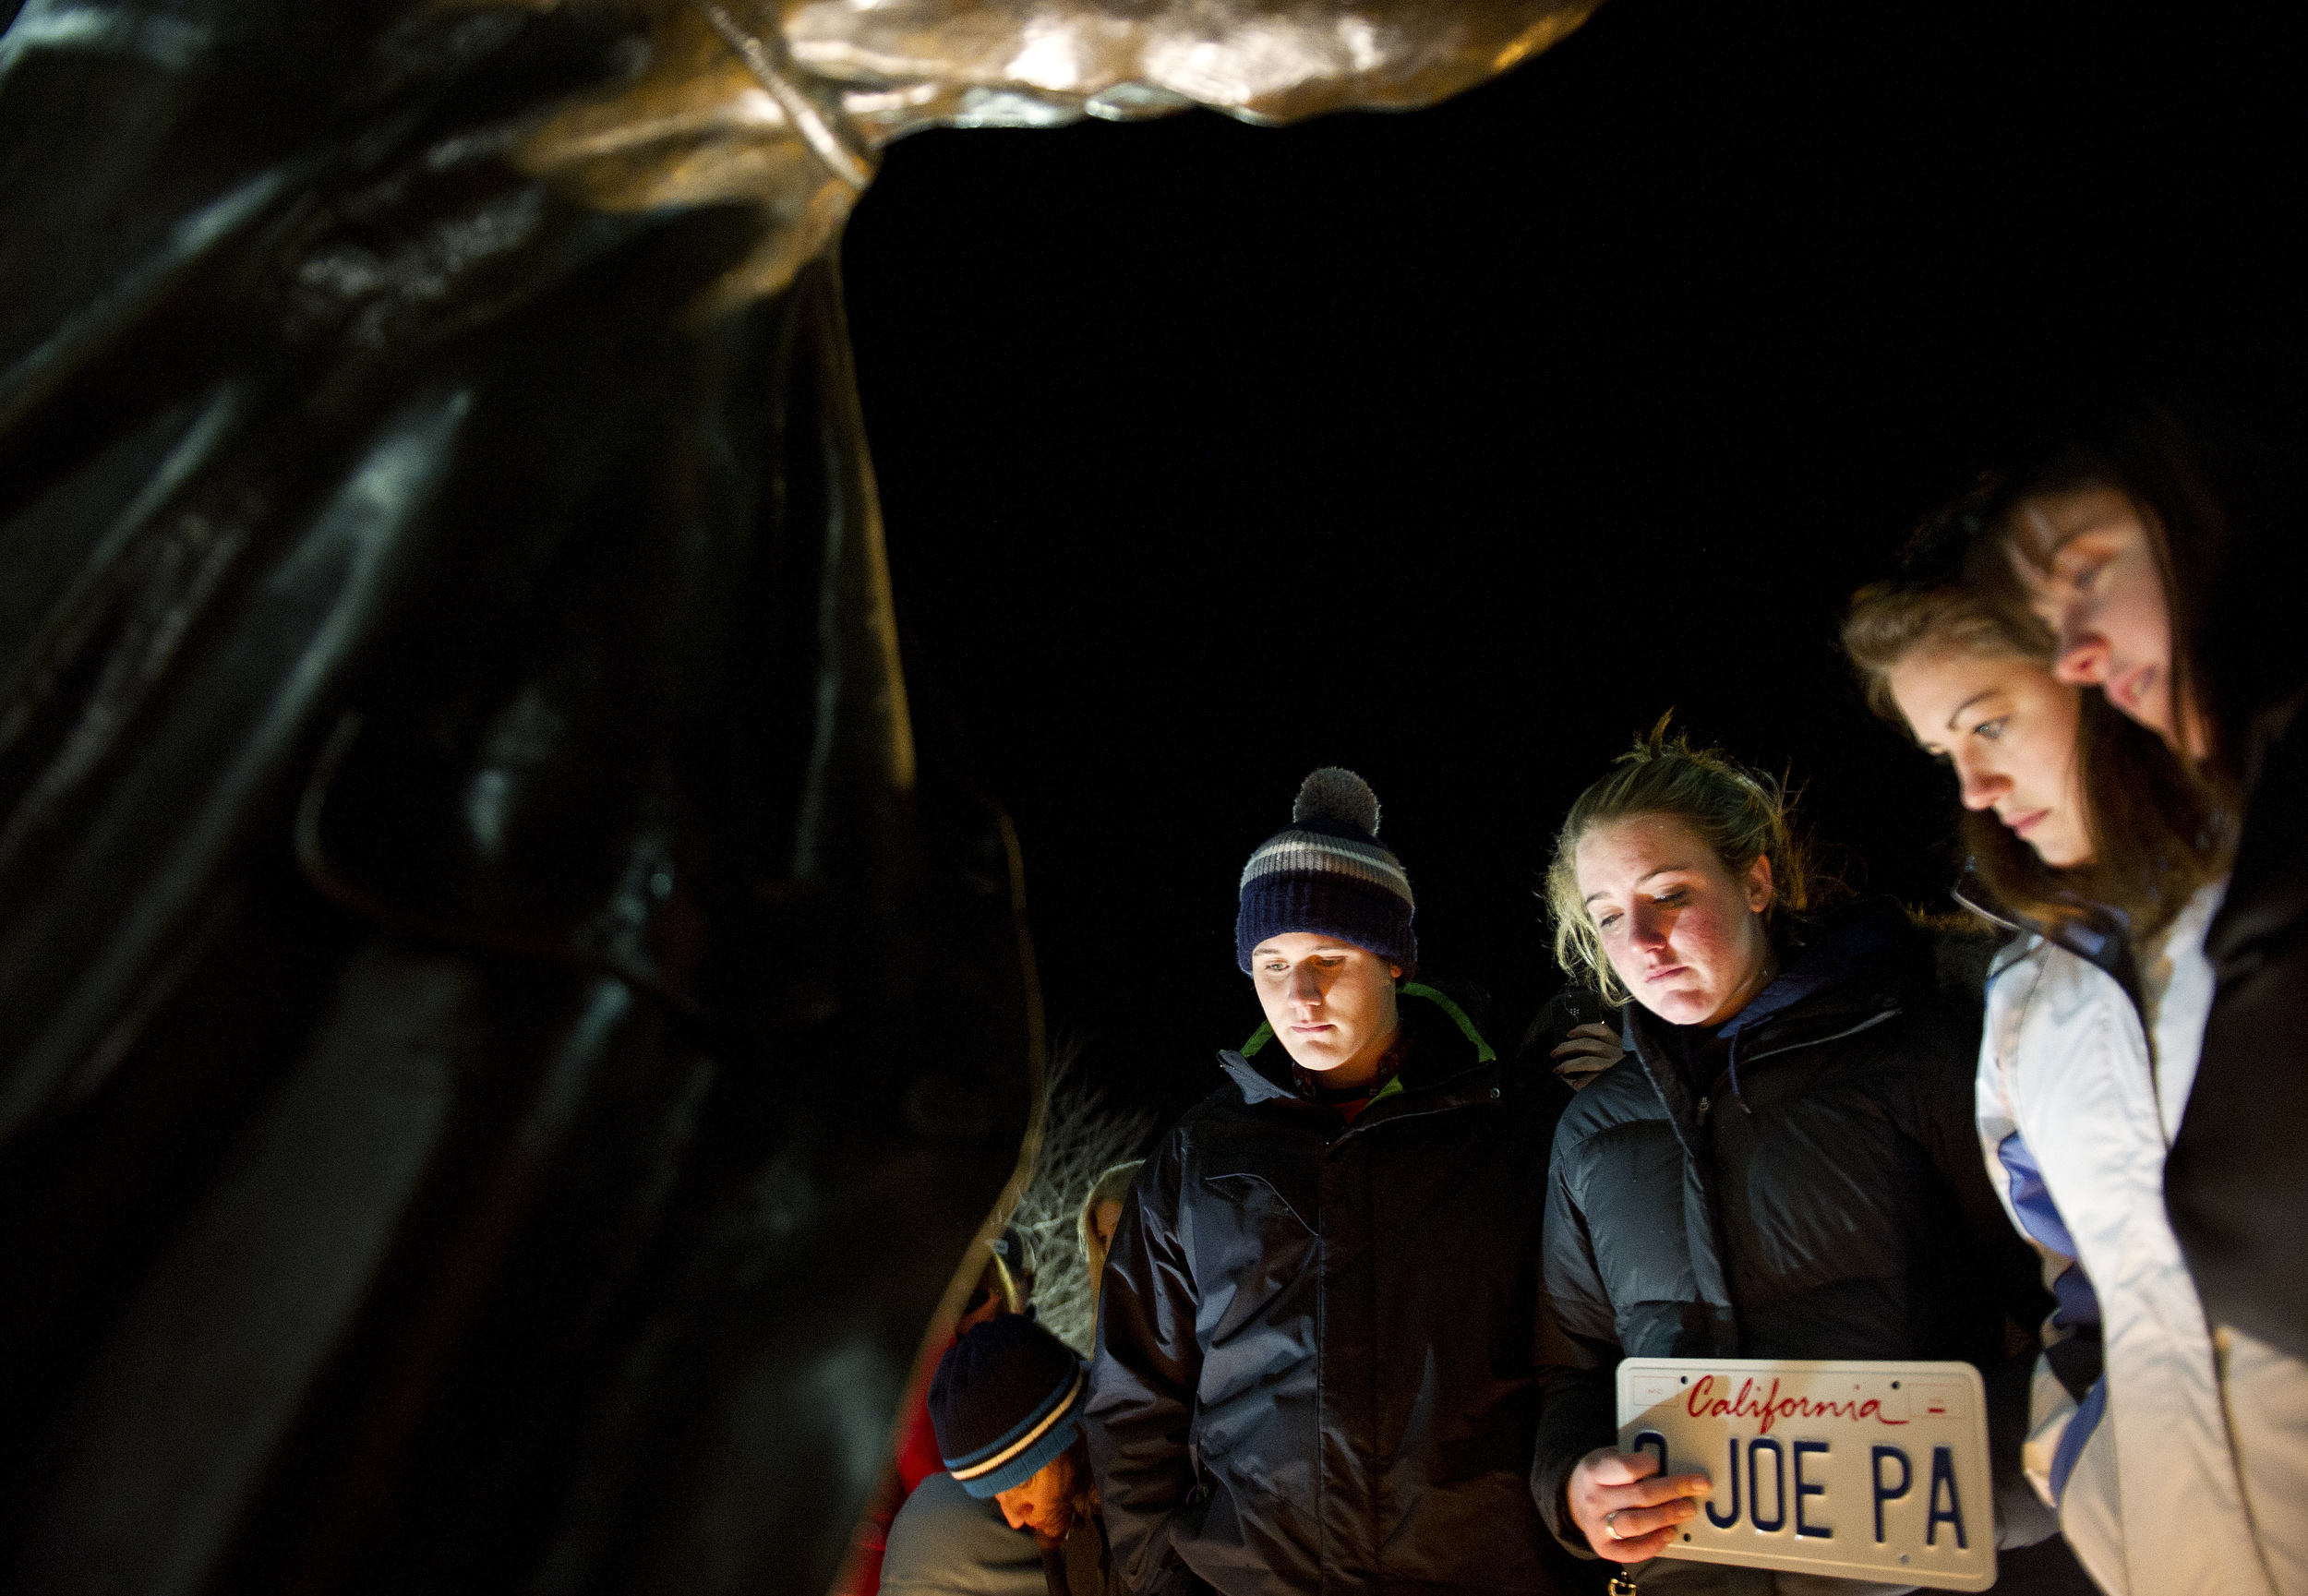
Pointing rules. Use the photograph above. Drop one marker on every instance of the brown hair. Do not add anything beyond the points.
(1740, 814)
(1888, 620)
(2210, 500)
(2149, 822)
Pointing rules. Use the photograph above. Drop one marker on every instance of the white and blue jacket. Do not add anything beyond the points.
(2079, 1100)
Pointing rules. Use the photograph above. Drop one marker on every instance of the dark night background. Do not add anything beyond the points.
(1455, 447)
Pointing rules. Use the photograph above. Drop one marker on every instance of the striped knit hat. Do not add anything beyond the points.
(1327, 873)
(1007, 1399)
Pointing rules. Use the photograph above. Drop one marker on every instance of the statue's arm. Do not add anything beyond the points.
(1266, 60)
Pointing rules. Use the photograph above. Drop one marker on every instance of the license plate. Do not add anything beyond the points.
(1855, 1470)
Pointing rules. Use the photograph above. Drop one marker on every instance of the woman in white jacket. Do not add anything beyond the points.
(2173, 585)
(2094, 1009)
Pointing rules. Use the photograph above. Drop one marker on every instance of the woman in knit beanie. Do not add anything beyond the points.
(1306, 1374)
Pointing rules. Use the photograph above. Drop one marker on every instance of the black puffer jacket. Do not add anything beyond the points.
(1315, 1368)
(1824, 1199)
(2236, 1184)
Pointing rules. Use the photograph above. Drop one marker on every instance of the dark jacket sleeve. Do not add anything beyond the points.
(2005, 1265)
(1949, 1129)
(1578, 1353)
(1145, 1369)
(2235, 1184)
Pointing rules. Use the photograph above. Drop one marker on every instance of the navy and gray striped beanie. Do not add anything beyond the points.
(1327, 873)
(1007, 1399)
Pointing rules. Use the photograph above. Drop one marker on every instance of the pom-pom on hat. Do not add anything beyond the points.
(1327, 873)
(1007, 1399)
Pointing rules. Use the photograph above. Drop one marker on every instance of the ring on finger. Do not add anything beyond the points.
(1610, 1524)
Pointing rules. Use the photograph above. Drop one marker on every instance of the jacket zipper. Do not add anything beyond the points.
(1418, 1113)
(1868, 1023)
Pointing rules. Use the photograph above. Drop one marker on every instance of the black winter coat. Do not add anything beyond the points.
(1315, 1367)
(2235, 1184)
(1825, 1198)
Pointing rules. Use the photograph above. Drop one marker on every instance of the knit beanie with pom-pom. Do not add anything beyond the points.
(1327, 873)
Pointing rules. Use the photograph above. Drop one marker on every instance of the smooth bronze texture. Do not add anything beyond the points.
(785, 107)
(508, 1024)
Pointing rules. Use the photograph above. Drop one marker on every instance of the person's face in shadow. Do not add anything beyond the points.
(2090, 567)
(1044, 1502)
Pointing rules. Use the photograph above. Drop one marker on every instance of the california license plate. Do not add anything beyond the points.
(1855, 1470)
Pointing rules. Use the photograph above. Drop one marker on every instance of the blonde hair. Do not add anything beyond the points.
(1114, 1186)
(1740, 814)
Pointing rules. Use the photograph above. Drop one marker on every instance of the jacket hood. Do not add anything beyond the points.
(1860, 943)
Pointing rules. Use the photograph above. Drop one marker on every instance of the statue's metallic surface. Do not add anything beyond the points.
(785, 105)
(507, 1023)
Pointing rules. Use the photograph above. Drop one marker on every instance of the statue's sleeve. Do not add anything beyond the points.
(1029, 62)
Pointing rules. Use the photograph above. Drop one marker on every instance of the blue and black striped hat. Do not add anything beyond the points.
(1327, 873)
(1007, 1399)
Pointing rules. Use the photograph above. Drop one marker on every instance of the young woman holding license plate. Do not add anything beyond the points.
(1784, 1167)
(2094, 1009)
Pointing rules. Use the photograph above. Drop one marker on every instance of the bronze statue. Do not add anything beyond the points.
(505, 1025)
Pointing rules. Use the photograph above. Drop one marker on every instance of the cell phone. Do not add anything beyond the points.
(1572, 1007)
